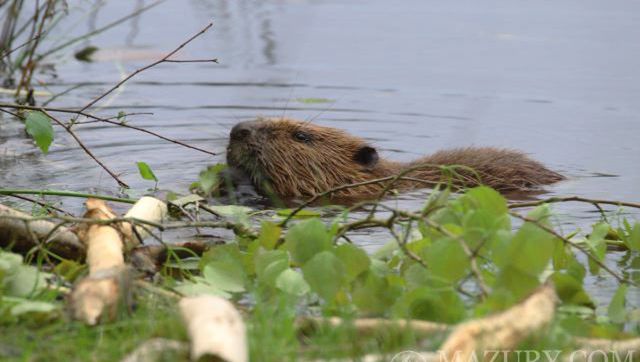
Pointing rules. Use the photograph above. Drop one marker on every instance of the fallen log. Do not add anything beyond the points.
(20, 233)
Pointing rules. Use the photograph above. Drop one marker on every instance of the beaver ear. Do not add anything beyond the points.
(366, 156)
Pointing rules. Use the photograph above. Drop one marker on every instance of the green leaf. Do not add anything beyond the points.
(269, 234)
(446, 259)
(416, 276)
(84, 55)
(596, 240)
(35, 311)
(229, 252)
(17, 279)
(487, 199)
(229, 210)
(146, 172)
(306, 239)
(325, 274)
(69, 269)
(39, 127)
(270, 264)
(616, 311)
(386, 251)
(633, 242)
(292, 282)
(225, 275)
(570, 290)
(355, 260)
(222, 267)
(429, 304)
(514, 284)
(372, 294)
(209, 178)
(531, 248)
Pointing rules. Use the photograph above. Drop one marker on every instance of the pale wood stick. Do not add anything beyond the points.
(148, 209)
(502, 331)
(216, 329)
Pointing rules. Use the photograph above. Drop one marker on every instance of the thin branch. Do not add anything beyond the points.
(8, 52)
(574, 198)
(98, 119)
(316, 197)
(43, 204)
(215, 60)
(13, 192)
(86, 150)
(164, 59)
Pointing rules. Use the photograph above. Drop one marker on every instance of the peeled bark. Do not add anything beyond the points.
(502, 331)
(216, 329)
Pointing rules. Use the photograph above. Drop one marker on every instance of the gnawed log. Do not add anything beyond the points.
(148, 209)
(502, 331)
(21, 235)
(108, 286)
(98, 296)
(101, 295)
(216, 329)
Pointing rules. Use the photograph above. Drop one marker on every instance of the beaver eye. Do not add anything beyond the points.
(302, 137)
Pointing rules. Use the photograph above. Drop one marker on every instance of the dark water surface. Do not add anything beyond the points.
(558, 80)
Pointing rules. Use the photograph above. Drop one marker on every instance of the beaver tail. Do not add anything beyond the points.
(502, 169)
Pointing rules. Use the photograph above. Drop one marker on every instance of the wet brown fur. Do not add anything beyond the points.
(279, 163)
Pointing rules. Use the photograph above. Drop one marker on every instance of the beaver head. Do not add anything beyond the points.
(291, 158)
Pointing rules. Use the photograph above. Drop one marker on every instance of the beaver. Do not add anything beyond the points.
(288, 159)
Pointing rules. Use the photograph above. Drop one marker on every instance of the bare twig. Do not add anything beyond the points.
(86, 150)
(8, 52)
(43, 204)
(13, 192)
(316, 197)
(164, 59)
(574, 198)
(99, 119)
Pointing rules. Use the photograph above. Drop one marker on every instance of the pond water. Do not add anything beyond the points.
(558, 80)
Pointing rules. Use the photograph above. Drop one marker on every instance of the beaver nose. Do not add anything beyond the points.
(241, 130)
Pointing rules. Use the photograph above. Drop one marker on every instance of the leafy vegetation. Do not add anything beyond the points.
(455, 259)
